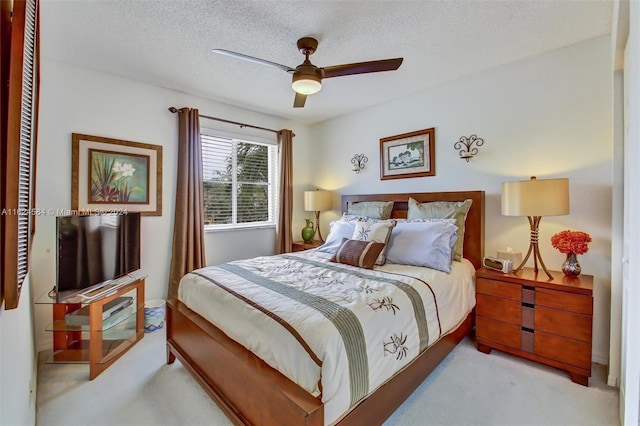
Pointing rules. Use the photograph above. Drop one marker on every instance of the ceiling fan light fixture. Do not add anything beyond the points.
(306, 84)
(307, 78)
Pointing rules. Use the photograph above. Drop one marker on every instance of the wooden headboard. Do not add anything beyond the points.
(473, 248)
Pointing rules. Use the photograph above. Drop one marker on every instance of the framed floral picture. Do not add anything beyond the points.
(112, 175)
(408, 155)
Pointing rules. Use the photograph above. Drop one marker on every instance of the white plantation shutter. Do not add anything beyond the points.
(27, 132)
(19, 164)
(239, 179)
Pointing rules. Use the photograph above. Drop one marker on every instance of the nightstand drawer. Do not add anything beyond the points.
(565, 301)
(561, 349)
(498, 331)
(499, 289)
(563, 323)
(498, 308)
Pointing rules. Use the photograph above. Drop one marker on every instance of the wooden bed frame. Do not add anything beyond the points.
(252, 393)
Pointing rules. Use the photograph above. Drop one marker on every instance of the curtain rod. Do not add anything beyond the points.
(175, 110)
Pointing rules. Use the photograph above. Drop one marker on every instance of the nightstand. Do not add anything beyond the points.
(302, 246)
(528, 315)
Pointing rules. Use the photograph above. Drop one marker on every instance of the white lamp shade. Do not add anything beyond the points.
(317, 201)
(536, 197)
(306, 86)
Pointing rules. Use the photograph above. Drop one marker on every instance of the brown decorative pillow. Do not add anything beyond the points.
(358, 253)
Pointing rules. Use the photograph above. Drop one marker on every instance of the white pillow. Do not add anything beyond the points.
(351, 219)
(378, 232)
(444, 210)
(357, 218)
(454, 236)
(422, 244)
(338, 229)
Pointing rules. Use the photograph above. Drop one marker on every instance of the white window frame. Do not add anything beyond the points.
(273, 185)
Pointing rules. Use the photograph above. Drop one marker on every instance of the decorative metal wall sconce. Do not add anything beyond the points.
(358, 161)
(465, 145)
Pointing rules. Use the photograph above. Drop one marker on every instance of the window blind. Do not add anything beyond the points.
(239, 177)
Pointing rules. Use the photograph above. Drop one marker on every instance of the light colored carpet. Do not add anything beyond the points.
(468, 388)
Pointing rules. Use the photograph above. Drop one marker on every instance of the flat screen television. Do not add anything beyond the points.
(95, 250)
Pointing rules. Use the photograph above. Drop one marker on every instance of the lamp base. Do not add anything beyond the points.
(534, 223)
(318, 228)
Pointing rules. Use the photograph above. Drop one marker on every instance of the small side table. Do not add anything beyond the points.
(302, 246)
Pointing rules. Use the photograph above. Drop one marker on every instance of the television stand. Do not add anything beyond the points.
(102, 341)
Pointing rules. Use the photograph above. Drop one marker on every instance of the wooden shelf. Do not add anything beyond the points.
(99, 344)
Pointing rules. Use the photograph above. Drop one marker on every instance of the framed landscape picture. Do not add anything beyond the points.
(408, 155)
(112, 175)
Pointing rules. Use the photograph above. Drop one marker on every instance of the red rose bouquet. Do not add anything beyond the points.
(571, 241)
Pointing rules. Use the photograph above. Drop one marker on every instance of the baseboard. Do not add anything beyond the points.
(600, 359)
(45, 346)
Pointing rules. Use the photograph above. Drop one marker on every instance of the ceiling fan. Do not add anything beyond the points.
(307, 77)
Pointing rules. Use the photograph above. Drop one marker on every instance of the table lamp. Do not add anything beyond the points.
(535, 198)
(317, 201)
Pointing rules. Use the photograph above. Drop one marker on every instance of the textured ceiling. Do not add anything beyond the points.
(168, 43)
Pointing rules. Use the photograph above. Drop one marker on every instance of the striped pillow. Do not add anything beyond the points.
(358, 253)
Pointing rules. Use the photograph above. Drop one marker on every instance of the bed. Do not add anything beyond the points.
(251, 392)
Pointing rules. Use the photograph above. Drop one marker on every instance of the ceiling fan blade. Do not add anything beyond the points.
(299, 101)
(252, 59)
(362, 67)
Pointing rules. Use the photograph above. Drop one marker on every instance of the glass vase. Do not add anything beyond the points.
(570, 266)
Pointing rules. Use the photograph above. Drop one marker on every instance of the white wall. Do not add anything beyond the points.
(548, 116)
(75, 100)
(18, 362)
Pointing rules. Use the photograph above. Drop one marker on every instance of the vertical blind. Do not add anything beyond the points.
(239, 179)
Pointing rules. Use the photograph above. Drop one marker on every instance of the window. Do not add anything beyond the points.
(239, 180)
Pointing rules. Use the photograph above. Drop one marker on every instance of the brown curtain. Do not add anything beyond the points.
(285, 209)
(188, 228)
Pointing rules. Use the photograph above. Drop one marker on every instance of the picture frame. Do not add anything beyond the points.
(408, 155)
(115, 176)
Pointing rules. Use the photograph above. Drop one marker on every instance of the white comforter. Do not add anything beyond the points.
(337, 331)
